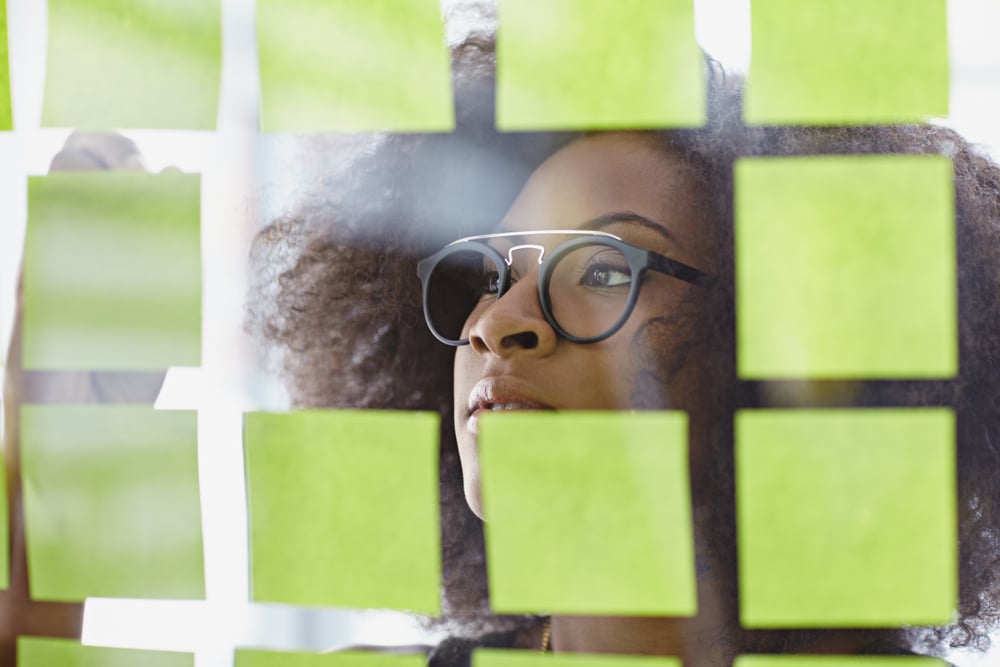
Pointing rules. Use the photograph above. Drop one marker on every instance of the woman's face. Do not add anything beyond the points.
(515, 358)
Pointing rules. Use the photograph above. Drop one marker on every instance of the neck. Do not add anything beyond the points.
(689, 640)
(708, 639)
(696, 641)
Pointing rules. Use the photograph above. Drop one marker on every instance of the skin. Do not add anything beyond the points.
(515, 356)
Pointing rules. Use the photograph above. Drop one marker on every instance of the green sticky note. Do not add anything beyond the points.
(507, 658)
(4, 526)
(112, 271)
(259, 658)
(354, 66)
(44, 652)
(848, 62)
(128, 64)
(594, 64)
(6, 113)
(344, 509)
(846, 518)
(588, 513)
(836, 661)
(845, 267)
(111, 503)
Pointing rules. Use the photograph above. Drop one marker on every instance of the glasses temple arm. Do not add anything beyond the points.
(679, 270)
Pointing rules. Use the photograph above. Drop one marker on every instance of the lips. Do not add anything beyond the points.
(501, 394)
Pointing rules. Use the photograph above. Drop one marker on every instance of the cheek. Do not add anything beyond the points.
(465, 371)
(659, 342)
(658, 347)
(470, 481)
(466, 374)
(602, 376)
(665, 331)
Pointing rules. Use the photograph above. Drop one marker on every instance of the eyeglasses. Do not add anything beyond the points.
(587, 286)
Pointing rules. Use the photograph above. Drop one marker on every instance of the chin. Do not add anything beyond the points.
(473, 497)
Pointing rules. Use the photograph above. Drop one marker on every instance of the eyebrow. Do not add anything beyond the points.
(608, 219)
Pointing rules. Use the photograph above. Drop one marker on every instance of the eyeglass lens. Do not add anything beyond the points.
(457, 283)
(588, 289)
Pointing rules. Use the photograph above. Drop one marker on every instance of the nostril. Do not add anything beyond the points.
(525, 339)
(478, 344)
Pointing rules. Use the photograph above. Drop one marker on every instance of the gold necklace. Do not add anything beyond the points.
(547, 636)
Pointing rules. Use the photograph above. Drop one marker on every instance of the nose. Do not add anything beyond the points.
(514, 324)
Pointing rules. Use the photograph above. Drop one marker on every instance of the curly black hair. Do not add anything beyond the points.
(336, 304)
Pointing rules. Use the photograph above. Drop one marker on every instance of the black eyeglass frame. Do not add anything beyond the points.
(640, 260)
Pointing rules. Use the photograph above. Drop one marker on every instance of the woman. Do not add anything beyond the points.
(347, 325)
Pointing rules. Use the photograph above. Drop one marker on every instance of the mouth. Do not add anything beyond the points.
(501, 395)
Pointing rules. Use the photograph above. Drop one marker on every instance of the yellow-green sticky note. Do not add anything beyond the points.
(112, 271)
(507, 658)
(846, 518)
(588, 513)
(595, 64)
(845, 267)
(344, 509)
(260, 658)
(111, 503)
(6, 113)
(44, 652)
(127, 64)
(353, 66)
(4, 525)
(836, 661)
(847, 62)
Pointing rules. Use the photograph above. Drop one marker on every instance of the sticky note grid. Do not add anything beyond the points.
(6, 112)
(349, 66)
(125, 64)
(847, 518)
(836, 661)
(111, 503)
(846, 267)
(42, 652)
(495, 658)
(588, 513)
(592, 64)
(257, 658)
(344, 509)
(112, 271)
(4, 525)
(849, 62)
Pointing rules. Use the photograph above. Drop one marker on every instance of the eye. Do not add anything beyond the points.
(604, 271)
(490, 283)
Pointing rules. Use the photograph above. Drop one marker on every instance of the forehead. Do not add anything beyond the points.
(603, 174)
